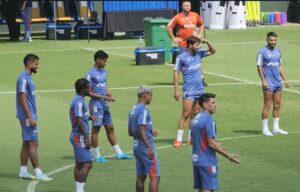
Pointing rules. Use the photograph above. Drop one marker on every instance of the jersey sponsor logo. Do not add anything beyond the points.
(274, 64)
(101, 85)
(194, 157)
(189, 26)
(197, 66)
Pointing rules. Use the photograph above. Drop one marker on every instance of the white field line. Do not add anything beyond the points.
(123, 88)
(59, 50)
(32, 185)
(129, 47)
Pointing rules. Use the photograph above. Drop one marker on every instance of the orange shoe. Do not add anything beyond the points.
(177, 144)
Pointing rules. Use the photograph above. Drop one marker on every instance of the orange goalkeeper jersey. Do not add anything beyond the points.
(186, 25)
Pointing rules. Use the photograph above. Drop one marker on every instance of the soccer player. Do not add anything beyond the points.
(27, 115)
(25, 8)
(79, 136)
(270, 71)
(205, 146)
(97, 76)
(186, 22)
(140, 128)
(189, 63)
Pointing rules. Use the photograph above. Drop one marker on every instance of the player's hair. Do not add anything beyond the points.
(30, 57)
(185, 1)
(191, 40)
(81, 84)
(271, 34)
(143, 89)
(205, 98)
(101, 55)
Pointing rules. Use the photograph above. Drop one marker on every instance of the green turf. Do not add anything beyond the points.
(268, 164)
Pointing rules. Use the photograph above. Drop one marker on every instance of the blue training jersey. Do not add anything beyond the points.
(203, 127)
(190, 66)
(270, 60)
(26, 85)
(78, 108)
(98, 80)
(140, 115)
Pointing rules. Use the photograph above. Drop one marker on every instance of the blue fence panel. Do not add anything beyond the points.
(139, 5)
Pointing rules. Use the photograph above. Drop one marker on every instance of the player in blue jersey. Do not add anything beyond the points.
(270, 71)
(97, 76)
(140, 128)
(27, 115)
(189, 63)
(79, 136)
(205, 146)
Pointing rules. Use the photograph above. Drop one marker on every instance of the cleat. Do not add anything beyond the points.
(279, 131)
(101, 159)
(27, 176)
(177, 144)
(43, 177)
(267, 133)
(123, 156)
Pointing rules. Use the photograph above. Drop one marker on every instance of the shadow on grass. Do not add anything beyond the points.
(164, 141)
(250, 132)
(9, 175)
(67, 158)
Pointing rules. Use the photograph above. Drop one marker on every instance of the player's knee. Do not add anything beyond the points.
(95, 130)
(110, 129)
(277, 105)
(186, 115)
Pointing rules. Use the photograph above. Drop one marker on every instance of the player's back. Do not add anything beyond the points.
(140, 115)
(78, 108)
(203, 127)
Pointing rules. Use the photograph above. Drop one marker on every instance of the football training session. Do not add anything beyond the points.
(170, 96)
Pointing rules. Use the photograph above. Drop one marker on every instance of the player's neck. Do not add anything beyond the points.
(28, 71)
(185, 12)
(141, 101)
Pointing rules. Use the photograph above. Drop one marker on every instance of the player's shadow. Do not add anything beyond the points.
(250, 132)
(164, 141)
(8, 175)
(67, 157)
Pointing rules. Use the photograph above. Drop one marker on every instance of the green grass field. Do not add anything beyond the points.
(269, 164)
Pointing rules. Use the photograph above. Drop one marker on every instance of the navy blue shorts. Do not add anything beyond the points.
(144, 165)
(28, 133)
(205, 178)
(81, 152)
(101, 110)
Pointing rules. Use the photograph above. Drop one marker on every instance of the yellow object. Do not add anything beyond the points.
(248, 11)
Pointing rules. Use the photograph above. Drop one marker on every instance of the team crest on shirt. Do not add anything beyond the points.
(33, 93)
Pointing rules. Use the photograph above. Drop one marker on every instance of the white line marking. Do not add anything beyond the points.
(32, 185)
(123, 88)
(129, 47)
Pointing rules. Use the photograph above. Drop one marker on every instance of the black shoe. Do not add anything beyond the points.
(204, 83)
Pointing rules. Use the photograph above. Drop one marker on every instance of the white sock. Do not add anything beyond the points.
(23, 170)
(117, 149)
(265, 124)
(179, 134)
(76, 186)
(96, 152)
(80, 187)
(189, 136)
(276, 123)
(37, 171)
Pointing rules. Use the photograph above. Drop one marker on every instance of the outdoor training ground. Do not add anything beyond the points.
(268, 164)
